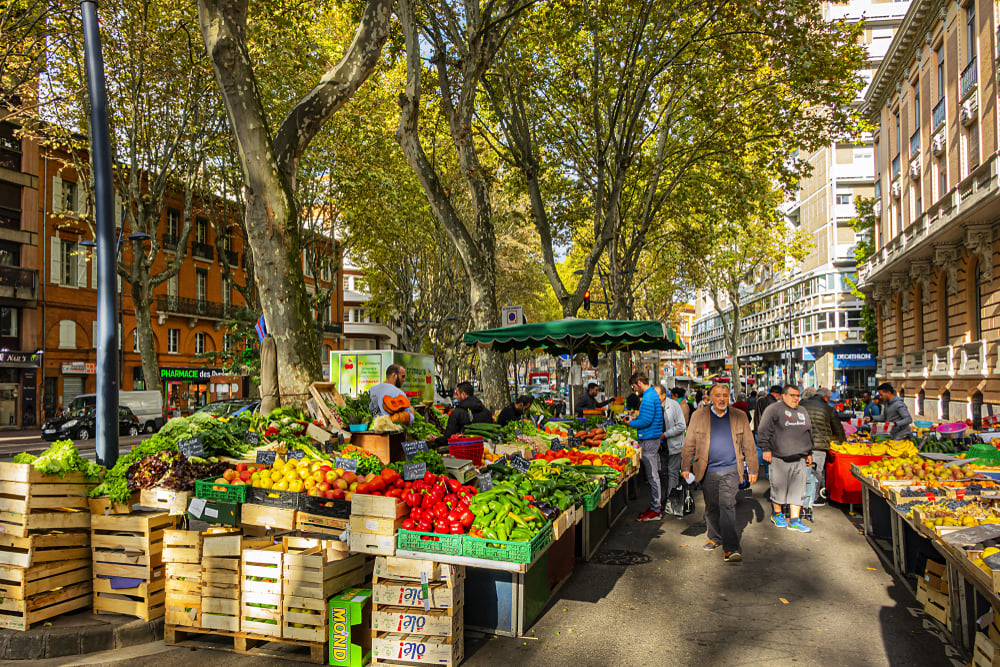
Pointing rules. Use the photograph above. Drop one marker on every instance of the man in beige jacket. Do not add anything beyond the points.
(718, 445)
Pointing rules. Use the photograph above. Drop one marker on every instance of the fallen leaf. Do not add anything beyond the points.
(872, 569)
(783, 600)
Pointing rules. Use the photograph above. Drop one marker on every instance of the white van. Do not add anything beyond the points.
(146, 405)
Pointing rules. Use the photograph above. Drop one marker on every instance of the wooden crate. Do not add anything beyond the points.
(222, 544)
(327, 397)
(985, 652)
(399, 593)
(104, 506)
(245, 643)
(181, 546)
(44, 548)
(395, 648)
(257, 609)
(335, 549)
(260, 570)
(183, 603)
(21, 583)
(410, 569)
(374, 525)
(129, 545)
(410, 620)
(378, 506)
(22, 614)
(190, 572)
(164, 500)
(310, 575)
(938, 607)
(268, 517)
(324, 525)
(145, 601)
(310, 612)
(375, 545)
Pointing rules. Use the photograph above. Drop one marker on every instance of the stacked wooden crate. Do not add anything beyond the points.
(182, 559)
(45, 567)
(932, 591)
(220, 580)
(409, 627)
(374, 523)
(260, 590)
(129, 574)
(311, 574)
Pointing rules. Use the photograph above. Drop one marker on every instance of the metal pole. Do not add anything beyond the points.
(100, 150)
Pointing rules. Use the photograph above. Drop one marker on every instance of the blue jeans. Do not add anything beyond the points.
(651, 462)
(815, 478)
(762, 465)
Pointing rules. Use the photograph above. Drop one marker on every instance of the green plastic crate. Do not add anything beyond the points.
(508, 552)
(435, 543)
(985, 454)
(592, 502)
(234, 493)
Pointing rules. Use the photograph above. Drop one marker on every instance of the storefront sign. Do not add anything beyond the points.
(853, 357)
(191, 374)
(79, 368)
(18, 358)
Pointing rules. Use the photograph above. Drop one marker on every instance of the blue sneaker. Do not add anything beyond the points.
(797, 525)
(779, 520)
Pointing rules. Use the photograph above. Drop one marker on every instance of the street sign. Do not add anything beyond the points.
(511, 316)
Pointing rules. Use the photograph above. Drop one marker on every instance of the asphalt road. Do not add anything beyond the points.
(13, 442)
(654, 597)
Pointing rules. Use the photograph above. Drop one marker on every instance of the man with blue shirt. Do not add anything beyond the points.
(649, 425)
(718, 445)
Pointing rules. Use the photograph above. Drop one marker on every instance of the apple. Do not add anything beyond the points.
(325, 467)
(229, 475)
(318, 476)
(332, 476)
(328, 494)
(323, 486)
(350, 477)
(348, 495)
(353, 487)
(244, 475)
(337, 494)
(315, 492)
(342, 484)
(240, 467)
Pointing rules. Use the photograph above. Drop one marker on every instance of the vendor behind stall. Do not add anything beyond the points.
(394, 376)
(515, 411)
(589, 400)
(469, 410)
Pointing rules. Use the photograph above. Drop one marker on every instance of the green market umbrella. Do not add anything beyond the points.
(573, 336)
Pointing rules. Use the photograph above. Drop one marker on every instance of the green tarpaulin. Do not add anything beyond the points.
(572, 336)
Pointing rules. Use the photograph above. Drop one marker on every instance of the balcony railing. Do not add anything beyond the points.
(166, 303)
(937, 115)
(18, 278)
(232, 257)
(878, 189)
(203, 251)
(915, 143)
(918, 364)
(895, 167)
(969, 78)
(333, 328)
(942, 361)
(169, 241)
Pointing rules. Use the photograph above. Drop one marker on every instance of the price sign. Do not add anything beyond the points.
(329, 447)
(192, 447)
(296, 455)
(414, 471)
(485, 481)
(411, 448)
(608, 424)
(518, 463)
(348, 465)
(556, 444)
(518, 431)
(265, 457)
(251, 438)
(340, 439)
(575, 443)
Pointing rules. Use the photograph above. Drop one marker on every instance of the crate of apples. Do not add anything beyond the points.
(311, 476)
(243, 473)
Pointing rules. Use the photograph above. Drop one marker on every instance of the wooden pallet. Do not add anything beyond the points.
(44, 548)
(246, 643)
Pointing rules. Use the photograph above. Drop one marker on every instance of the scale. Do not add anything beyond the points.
(460, 469)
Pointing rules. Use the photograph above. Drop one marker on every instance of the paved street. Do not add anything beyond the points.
(12, 442)
(817, 599)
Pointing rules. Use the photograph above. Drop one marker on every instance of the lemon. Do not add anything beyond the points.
(295, 485)
(266, 482)
(282, 485)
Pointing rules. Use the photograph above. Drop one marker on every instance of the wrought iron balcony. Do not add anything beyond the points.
(969, 78)
(194, 307)
(18, 283)
(895, 167)
(202, 251)
(937, 115)
(915, 143)
(333, 328)
(169, 241)
(232, 257)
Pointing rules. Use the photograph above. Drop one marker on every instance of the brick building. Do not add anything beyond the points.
(932, 278)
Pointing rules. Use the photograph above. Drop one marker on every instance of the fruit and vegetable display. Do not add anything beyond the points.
(314, 477)
(421, 429)
(918, 469)
(962, 513)
(60, 458)
(438, 505)
(501, 514)
(355, 410)
(169, 469)
(897, 448)
(434, 461)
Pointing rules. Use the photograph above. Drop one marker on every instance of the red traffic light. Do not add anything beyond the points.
(586, 300)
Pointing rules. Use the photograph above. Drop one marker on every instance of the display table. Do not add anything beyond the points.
(841, 485)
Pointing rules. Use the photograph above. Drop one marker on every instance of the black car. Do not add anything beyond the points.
(80, 424)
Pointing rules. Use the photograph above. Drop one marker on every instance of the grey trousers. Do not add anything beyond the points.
(720, 489)
(670, 480)
(651, 464)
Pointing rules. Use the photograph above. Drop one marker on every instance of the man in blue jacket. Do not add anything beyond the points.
(649, 425)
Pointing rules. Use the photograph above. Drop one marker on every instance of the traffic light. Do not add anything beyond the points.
(586, 300)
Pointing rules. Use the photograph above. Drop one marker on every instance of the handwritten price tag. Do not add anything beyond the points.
(411, 448)
(251, 438)
(266, 457)
(414, 471)
(348, 465)
(192, 447)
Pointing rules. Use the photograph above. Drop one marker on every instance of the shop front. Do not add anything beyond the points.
(18, 388)
(854, 367)
(188, 388)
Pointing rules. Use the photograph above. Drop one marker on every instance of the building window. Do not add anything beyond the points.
(972, 147)
(843, 200)
(898, 135)
(347, 283)
(71, 262)
(916, 106)
(173, 340)
(135, 340)
(201, 285)
(172, 287)
(970, 32)
(974, 290)
(940, 73)
(67, 335)
(942, 177)
(227, 298)
(173, 222)
(227, 341)
(199, 343)
(201, 230)
(324, 271)
(8, 322)
(69, 194)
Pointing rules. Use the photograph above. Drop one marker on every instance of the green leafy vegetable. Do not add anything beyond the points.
(60, 458)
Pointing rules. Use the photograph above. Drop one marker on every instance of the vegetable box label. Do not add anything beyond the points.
(411, 448)
(575, 443)
(251, 438)
(192, 447)
(414, 471)
(519, 463)
(266, 457)
(347, 465)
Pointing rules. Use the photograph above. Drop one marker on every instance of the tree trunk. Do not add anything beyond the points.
(141, 300)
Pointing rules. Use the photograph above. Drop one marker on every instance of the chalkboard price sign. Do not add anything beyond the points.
(411, 448)
(519, 463)
(485, 481)
(296, 455)
(266, 457)
(329, 447)
(556, 444)
(608, 424)
(347, 465)
(192, 447)
(414, 471)
(575, 443)
(251, 438)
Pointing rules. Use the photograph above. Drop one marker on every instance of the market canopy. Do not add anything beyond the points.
(574, 336)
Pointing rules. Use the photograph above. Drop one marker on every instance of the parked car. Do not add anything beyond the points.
(229, 407)
(147, 406)
(80, 424)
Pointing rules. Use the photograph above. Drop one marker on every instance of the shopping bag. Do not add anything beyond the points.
(880, 428)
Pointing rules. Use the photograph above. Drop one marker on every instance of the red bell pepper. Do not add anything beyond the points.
(440, 510)
(455, 528)
(425, 526)
(441, 527)
(429, 477)
(416, 514)
(467, 518)
(409, 524)
(453, 516)
(453, 484)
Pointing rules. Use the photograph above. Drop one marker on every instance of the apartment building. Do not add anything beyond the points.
(804, 324)
(931, 278)
(363, 330)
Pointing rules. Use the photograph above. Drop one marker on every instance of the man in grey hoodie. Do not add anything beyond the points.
(895, 411)
(785, 436)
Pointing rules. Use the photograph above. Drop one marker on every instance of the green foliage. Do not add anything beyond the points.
(61, 458)
(115, 484)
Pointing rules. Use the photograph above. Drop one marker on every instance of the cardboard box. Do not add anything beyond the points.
(414, 620)
(350, 621)
(443, 595)
(374, 525)
(449, 651)
(410, 569)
